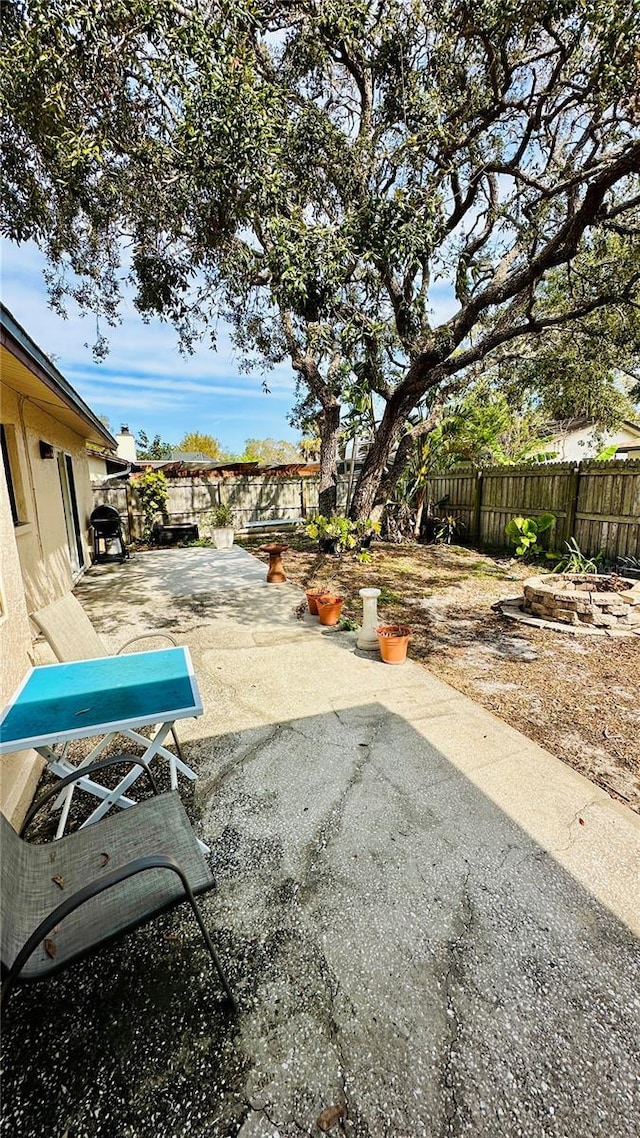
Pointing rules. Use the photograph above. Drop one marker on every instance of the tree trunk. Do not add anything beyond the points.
(419, 513)
(372, 473)
(329, 421)
(377, 480)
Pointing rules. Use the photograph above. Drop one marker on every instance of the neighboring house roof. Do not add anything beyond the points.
(580, 423)
(26, 369)
(190, 456)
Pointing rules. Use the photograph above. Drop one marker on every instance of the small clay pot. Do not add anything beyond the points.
(393, 640)
(312, 600)
(329, 608)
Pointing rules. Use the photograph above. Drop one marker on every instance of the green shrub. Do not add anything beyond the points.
(152, 493)
(221, 517)
(338, 534)
(447, 528)
(524, 532)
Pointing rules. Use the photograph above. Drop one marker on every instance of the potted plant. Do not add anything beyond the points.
(312, 596)
(393, 640)
(221, 520)
(319, 587)
(329, 608)
(338, 534)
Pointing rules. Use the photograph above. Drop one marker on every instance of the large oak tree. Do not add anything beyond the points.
(316, 170)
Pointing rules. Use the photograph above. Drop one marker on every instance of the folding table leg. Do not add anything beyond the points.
(154, 747)
(62, 767)
(113, 798)
(66, 795)
(175, 763)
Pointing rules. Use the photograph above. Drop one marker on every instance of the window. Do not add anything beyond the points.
(12, 473)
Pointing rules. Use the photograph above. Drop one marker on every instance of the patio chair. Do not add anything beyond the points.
(71, 635)
(66, 899)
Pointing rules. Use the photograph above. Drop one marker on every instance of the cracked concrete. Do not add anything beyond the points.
(427, 919)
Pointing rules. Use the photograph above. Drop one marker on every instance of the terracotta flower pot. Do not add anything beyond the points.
(329, 608)
(393, 640)
(312, 599)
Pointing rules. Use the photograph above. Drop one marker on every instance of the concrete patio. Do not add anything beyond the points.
(429, 921)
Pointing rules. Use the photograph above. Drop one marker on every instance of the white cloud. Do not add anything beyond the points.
(145, 373)
(144, 370)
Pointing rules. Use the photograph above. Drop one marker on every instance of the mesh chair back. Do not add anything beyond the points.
(13, 868)
(66, 626)
(30, 893)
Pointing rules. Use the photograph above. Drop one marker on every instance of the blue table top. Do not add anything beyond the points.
(92, 697)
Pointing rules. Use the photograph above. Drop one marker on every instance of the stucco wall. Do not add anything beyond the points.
(19, 772)
(42, 543)
(97, 468)
(36, 566)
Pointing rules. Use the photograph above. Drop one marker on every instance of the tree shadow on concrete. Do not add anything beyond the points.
(398, 944)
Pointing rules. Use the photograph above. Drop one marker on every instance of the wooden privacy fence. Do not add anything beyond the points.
(597, 503)
(254, 498)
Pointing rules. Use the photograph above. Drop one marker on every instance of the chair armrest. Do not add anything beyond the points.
(86, 772)
(147, 636)
(70, 904)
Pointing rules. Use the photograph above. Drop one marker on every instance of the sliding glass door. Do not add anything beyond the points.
(71, 515)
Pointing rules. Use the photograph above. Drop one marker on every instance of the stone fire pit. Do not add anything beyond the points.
(584, 599)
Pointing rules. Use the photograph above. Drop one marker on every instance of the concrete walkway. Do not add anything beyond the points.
(427, 918)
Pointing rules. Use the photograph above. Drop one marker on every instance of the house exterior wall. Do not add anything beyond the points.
(42, 541)
(36, 565)
(19, 772)
(44, 525)
(97, 467)
(583, 444)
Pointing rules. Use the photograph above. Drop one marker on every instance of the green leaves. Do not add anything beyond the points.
(575, 561)
(222, 516)
(372, 191)
(524, 532)
(152, 493)
(340, 533)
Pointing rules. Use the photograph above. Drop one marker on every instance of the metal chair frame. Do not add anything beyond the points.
(150, 861)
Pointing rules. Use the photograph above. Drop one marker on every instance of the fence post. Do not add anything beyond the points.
(573, 492)
(128, 491)
(476, 507)
(303, 504)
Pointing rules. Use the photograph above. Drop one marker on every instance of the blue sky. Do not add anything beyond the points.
(145, 382)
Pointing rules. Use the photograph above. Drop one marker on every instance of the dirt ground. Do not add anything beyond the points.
(577, 696)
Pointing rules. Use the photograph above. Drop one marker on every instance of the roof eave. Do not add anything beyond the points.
(16, 340)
